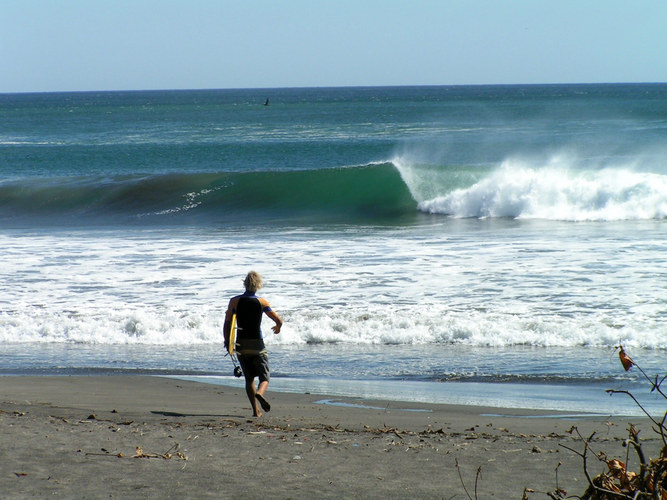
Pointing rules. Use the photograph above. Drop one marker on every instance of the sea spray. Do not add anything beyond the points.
(520, 191)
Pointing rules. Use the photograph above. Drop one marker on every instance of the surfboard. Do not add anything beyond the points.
(232, 336)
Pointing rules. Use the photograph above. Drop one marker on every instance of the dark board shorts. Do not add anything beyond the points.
(255, 365)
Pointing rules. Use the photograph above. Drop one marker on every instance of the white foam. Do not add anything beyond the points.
(541, 284)
(392, 325)
(556, 192)
(438, 325)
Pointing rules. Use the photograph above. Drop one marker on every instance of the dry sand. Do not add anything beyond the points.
(78, 437)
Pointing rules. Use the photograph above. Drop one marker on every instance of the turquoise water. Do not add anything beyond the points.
(502, 236)
(210, 157)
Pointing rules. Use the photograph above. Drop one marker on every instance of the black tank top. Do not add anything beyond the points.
(249, 319)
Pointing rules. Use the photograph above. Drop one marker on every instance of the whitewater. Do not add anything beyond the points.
(414, 245)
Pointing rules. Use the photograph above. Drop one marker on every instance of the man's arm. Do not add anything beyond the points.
(266, 307)
(278, 322)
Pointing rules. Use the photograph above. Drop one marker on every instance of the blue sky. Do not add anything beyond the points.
(54, 45)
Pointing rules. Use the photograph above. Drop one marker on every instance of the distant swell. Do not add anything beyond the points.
(366, 191)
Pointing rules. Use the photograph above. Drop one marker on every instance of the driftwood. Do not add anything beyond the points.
(619, 483)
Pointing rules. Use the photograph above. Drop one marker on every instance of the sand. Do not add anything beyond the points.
(154, 437)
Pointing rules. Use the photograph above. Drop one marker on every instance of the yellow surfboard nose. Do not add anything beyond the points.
(232, 336)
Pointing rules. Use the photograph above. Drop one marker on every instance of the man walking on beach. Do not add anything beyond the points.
(250, 344)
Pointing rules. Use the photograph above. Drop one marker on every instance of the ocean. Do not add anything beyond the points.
(487, 245)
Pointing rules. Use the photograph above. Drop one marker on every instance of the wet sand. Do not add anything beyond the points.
(152, 437)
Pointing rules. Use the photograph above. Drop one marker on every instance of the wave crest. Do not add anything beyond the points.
(359, 191)
(518, 191)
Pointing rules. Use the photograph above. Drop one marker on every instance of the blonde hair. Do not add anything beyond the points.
(253, 281)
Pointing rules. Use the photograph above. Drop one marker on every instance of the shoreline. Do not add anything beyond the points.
(79, 437)
(557, 398)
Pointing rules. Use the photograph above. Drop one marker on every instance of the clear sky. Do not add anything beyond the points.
(53, 45)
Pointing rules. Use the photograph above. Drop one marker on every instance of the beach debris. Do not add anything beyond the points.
(477, 477)
(105, 453)
(92, 416)
(20, 474)
(650, 481)
(169, 454)
(618, 482)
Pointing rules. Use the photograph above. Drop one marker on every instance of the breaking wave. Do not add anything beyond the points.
(519, 191)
